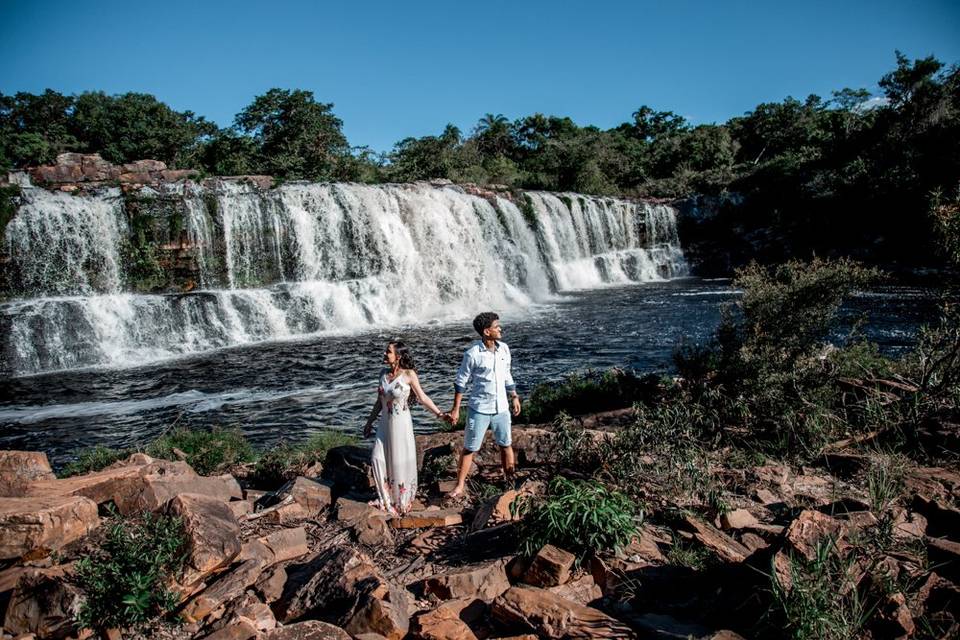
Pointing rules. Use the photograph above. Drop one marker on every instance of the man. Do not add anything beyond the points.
(486, 367)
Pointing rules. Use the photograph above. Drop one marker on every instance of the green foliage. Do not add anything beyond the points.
(208, 452)
(587, 392)
(820, 599)
(93, 459)
(9, 201)
(692, 555)
(285, 460)
(579, 516)
(885, 481)
(295, 136)
(124, 580)
(437, 468)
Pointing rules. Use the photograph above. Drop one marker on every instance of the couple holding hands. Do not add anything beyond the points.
(485, 368)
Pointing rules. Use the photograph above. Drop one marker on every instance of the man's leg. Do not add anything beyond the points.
(466, 459)
(501, 433)
(507, 461)
(476, 428)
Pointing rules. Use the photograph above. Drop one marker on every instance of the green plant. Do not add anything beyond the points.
(93, 459)
(9, 201)
(208, 452)
(579, 516)
(287, 460)
(436, 468)
(818, 598)
(124, 580)
(587, 392)
(689, 554)
(885, 481)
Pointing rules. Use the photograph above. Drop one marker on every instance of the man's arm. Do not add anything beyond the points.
(511, 386)
(460, 385)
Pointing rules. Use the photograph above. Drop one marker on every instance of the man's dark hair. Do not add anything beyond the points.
(484, 320)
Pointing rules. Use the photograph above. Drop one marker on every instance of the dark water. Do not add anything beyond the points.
(289, 389)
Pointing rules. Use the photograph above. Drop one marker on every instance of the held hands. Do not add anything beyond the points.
(453, 417)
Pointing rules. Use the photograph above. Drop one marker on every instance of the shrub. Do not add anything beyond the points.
(285, 460)
(208, 452)
(93, 459)
(587, 392)
(124, 579)
(579, 516)
(885, 481)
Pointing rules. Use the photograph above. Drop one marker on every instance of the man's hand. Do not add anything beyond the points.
(515, 405)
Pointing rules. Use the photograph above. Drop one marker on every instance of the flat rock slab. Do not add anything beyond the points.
(811, 528)
(717, 541)
(48, 523)
(484, 582)
(213, 534)
(307, 630)
(551, 616)
(424, 519)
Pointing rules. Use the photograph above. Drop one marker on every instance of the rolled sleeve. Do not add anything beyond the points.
(463, 374)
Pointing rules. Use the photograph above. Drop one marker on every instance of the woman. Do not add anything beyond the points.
(395, 450)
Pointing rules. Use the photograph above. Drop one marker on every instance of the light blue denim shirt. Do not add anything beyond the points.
(488, 375)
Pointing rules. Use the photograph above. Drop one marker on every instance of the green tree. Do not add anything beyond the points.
(133, 126)
(34, 128)
(296, 137)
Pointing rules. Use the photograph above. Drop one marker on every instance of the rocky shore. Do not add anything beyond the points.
(313, 560)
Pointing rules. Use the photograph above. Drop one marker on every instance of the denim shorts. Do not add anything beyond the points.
(477, 424)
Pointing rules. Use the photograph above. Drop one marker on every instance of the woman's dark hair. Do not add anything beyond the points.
(484, 320)
(404, 356)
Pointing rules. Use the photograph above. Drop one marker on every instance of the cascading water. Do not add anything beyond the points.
(308, 258)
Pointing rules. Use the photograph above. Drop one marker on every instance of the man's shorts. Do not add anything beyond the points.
(476, 429)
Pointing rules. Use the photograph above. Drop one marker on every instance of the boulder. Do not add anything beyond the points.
(311, 495)
(270, 585)
(428, 518)
(717, 541)
(737, 519)
(389, 616)
(286, 544)
(550, 616)
(348, 468)
(43, 523)
(213, 534)
(235, 630)
(43, 603)
(369, 526)
(307, 630)
(484, 582)
(229, 586)
(332, 582)
(441, 623)
(19, 468)
(583, 590)
(644, 547)
(550, 567)
(810, 528)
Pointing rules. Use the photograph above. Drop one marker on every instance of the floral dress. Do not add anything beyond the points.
(395, 449)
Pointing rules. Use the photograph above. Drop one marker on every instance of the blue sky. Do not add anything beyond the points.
(396, 69)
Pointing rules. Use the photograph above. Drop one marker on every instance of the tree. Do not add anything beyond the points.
(133, 126)
(296, 137)
(425, 158)
(34, 128)
(494, 135)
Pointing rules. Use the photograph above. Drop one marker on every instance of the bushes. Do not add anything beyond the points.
(125, 579)
(93, 459)
(285, 460)
(579, 516)
(587, 392)
(208, 452)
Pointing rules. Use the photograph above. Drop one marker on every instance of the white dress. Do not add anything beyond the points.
(395, 449)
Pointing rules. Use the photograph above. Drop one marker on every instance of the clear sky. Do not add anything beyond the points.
(398, 69)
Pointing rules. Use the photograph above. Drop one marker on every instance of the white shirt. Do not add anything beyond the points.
(489, 373)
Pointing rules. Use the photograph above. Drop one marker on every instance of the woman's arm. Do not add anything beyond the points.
(374, 412)
(422, 397)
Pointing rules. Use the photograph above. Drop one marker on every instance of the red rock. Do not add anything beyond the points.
(644, 547)
(43, 603)
(551, 616)
(484, 582)
(424, 519)
(238, 630)
(583, 590)
(212, 531)
(18, 468)
(286, 513)
(229, 586)
(43, 524)
(720, 543)
(811, 528)
(441, 624)
(550, 567)
(737, 519)
(270, 584)
(313, 496)
(390, 619)
(240, 508)
(307, 630)
(287, 544)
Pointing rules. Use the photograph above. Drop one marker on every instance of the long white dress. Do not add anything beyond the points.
(395, 449)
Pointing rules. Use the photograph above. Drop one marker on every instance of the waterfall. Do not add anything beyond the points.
(304, 259)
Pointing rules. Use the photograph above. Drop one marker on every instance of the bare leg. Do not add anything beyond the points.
(507, 461)
(466, 459)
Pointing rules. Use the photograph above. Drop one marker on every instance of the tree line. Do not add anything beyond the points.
(850, 173)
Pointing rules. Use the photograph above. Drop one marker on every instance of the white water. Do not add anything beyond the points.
(309, 258)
